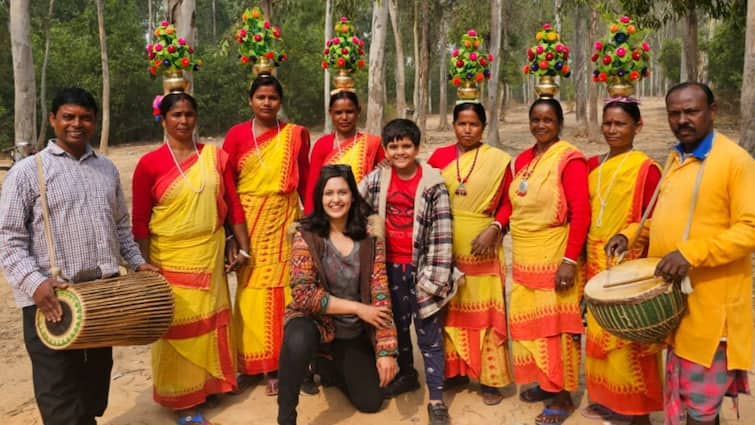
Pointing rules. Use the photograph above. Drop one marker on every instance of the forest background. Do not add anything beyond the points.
(690, 40)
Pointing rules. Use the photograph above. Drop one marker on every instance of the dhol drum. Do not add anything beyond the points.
(135, 309)
(630, 302)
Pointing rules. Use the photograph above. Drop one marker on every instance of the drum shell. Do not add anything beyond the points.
(135, 309)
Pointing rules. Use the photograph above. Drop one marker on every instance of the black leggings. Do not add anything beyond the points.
(354, 366)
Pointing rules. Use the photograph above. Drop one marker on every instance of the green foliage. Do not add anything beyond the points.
(671, 60)
(726, 55)
(622, 56)
(169, 52)
(258, 38)
(654, 13)
(549, 56)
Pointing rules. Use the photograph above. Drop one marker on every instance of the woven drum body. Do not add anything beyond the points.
(646, 311)
(135, 309)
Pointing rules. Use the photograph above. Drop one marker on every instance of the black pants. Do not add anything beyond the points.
(354, 368)
(70, 386)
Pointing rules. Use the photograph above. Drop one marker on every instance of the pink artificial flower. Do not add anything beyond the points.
(472, 33)
(257, 37)
(598, 45)
(164, 23)
(539, 49)
(242, 32)
(490, 57)
(182, 41)
(455, 53)
(336, 40)
(620, 52)
(473, 56)
(158, 47)
(267, 25)
(546, 26)
(171, 49)
(355, 40)
(559, 47)
(645, 47)
(149, 47)
(624, 19)
(344, 19)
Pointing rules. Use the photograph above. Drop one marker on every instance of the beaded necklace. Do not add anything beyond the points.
(181, 171)
(461, 190)
(257, 147)
(602, 195)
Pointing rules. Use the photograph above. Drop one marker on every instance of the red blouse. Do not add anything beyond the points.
(160, 162)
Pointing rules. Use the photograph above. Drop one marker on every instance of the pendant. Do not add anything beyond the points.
(461, 191)
(522, 188)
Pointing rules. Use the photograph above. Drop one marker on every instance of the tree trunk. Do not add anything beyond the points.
(393, 11)
(415, 59)
(105, 133)
(326, 74)
(181, 14)
(690, 44)
(41, 135)
(443, 80)
(423, 65)
(557, 15)
(23, 76)
(150, 22)
(580, 68)
(496, 11)
(747, 136)
(592, 119)
(214, 23)
(376, 79)
(267, 9)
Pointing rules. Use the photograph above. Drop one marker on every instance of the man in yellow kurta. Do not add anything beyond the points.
(711, 350)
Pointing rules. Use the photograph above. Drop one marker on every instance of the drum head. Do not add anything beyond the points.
(60, 335)
(596, 290)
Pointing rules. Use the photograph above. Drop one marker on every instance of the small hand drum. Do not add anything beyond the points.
(631, 303)
(135, 309)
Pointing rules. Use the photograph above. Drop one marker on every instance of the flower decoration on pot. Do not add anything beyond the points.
(469, 66)
(621, 58)
(343, 53)
(259, 42)
(172, 56)
(547, 59)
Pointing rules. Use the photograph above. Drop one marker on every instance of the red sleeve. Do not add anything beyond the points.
(651, 181)
(380, 156)
(231, 147)
(235, 210)
(504, 209)
(593, 163)
(576, 190)
(142, 200)
(442, 156)
(319, 152)
(303, 162)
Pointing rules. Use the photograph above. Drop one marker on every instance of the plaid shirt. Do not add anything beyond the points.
(88, 214)
(432, 234)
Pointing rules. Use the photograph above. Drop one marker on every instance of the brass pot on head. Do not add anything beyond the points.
(263, 66)
(546, 87)
(618, 88)
(174, 82)
(468, 91)
(343, 81)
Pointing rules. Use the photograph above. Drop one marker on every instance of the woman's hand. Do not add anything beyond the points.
(234, 259)
(565, 276)
(387, 368)
(487, 241)
(379, 317)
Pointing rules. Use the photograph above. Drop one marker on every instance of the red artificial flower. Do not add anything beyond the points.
(242, 32)
(164, 23)
(595, 78)
(341, 62)
(645, 47)
(546, 26)
(634, 75)
(620, 52)
(530, 54)
(483, 62)
(344, 19)
(472, 33)
(191, 49)
(158, 47)
(602, 76)
(594, 57)
(257, 37)
(267, 25)
(539, 49)
(185, 62)
(360, 63)
(151, 55)
(245, 59)
(324, 65)
(565, 69)
(544, 64)
(361, 51)
(548, 56)
(345, 50)
(526, 69)
(598, 45)
(479, 76)
(606, 60)
(182, 41)
(624, 19)
(152, 70)
(327, 51)
(473, 56)
(559, 47)
(171, 49)
(157, 62)
(566, 55)
(276, 32)
(269, 55)
(636, 55)
(490, 57)
(456, 81)
(459, 63)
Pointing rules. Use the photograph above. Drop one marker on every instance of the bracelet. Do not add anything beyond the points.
(570, 261)
(229, 237)
(497, 225)
(244, 254)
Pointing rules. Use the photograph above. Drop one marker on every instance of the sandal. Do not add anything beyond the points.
(197, 419)
(553, 416)
(491, 396)
(271, 387)
(535, 394)
(244, 382)
(599, 412)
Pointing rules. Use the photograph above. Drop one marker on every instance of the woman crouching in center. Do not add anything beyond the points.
(340, 297)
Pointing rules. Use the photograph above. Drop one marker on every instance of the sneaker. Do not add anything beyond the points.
(403, 383)
(309, 386)
(438, 414)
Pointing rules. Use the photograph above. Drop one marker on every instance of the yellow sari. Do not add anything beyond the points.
(543, 323)
(475, 329)
(196, 356)
(622, 375)
(359, 152)
(267, 190)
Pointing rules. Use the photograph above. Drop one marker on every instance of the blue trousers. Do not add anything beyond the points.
(429, 331)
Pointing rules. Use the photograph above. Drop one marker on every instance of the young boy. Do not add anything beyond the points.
(413, 200)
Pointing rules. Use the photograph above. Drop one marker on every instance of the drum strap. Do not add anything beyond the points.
(54, 270)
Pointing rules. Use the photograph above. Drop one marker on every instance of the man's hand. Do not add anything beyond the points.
(387, 368)
(46, 301)
(147, 267)
(673, 267)
(615, 246)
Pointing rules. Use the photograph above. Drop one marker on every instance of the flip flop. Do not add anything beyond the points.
(271, 387)
(535, 394)
(553, 416)
(491, 398)
(197, 419)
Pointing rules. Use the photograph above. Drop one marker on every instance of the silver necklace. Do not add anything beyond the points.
(603, 195)
(337, 143)
(181, 171)
(257, 147)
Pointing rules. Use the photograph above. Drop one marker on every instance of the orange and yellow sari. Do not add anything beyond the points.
(544, 324)
(267, 186)
(196, 357)
(622, 375)
(359, 152)
(475, 329)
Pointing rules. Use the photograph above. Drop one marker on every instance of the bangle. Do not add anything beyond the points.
(570, 261)
(229, 237)
(244, 254)
(498, 226)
